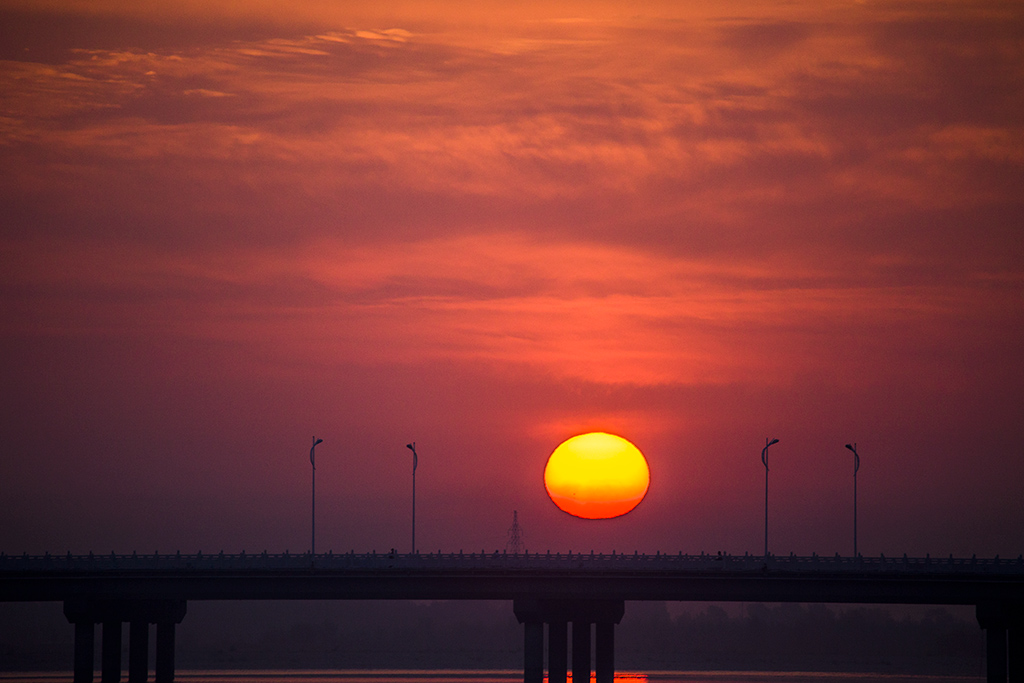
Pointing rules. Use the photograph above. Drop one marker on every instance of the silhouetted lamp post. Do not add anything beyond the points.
(412, 447)
(312, 461)
(856, 466)
(764, 459)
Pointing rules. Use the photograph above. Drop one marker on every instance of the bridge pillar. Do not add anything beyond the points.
(580, 650)
(165, 651)
(582, 613)
(85, 643)
(110, 659)
(112, 613)
(138, 651)
(605, 652)
(1015, 654)
(1004, 630)
(995, 654)
(558, 651)
(533, 646)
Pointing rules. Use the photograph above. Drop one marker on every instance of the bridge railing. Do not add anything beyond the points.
(499, 561)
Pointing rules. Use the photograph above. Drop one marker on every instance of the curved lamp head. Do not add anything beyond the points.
(856, 458)
(764, 452)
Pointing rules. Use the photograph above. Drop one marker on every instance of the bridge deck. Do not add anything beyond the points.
(813, 564)
(501, 576)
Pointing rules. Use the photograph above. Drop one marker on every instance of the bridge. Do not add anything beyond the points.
(588, 591)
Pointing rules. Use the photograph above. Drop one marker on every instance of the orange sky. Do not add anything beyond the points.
(487, 227)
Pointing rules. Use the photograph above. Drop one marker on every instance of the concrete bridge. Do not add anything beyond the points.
(588, 591)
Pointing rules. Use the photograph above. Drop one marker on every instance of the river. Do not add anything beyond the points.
(503, 676)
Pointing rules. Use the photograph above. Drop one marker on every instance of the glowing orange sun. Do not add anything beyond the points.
(597, 476)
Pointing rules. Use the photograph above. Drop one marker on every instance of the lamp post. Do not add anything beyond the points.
(764, 459)
(856, 466)
(312, 461)
(412, 447)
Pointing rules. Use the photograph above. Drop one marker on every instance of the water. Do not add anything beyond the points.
(507, 676)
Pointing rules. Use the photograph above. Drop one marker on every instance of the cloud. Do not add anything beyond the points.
(656, 135)
(397, 35)
(607, 315)
(487, 221)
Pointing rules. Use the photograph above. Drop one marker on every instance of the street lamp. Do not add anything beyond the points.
(764, 459)
(856, 466)
(312, 461)
(412, 447)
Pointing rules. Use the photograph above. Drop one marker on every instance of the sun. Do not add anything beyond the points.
(597, 476)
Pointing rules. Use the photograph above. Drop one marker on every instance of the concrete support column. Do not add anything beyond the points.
(605, 652)
(165, 652)
(140, 614)
(1004, 632)
(85, 644)
(557, 613)
(580, 651)
(995, 654)
(1015, 654)
(558, 651)
(110, 664)
(533, 646)
(138, 651)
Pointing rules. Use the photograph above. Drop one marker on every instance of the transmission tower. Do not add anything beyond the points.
(515, 536)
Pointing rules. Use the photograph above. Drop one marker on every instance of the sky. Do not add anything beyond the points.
(227, 227)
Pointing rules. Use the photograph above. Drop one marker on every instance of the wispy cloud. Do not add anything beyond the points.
(564, 310)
